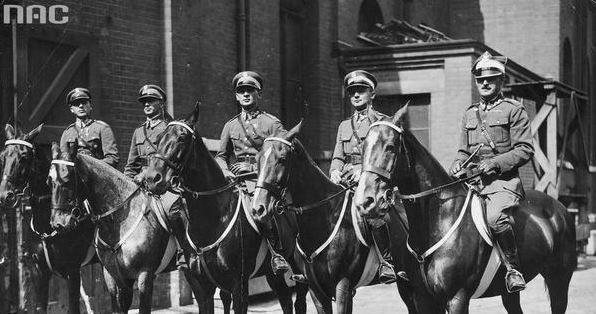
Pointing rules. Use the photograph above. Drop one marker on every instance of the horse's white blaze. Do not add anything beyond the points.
(261, 178)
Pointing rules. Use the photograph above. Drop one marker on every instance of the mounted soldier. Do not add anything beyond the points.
(94, 137)
(144, 139)
(241, 139)
(498, 129)
(346, 164)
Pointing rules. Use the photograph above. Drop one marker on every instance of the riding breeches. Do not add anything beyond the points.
(498, 207)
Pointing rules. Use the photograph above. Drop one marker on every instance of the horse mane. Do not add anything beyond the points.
(302, 154)
(101, 169)
(417, 152)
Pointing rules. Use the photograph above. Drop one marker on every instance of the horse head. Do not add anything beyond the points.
(66, 189)
(174, 149)
(382, 150)
(274, 162)
(17, 161)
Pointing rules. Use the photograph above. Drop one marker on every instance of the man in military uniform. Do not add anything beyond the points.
(502, 128)
(242, 138)
(347, 163)
(144, 138)
(94, 137)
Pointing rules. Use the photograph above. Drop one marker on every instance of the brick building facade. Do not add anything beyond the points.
(114, 47)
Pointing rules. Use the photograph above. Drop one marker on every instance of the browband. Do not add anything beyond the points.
(279, 139)
(18, 142)
(184, 125)
(389, 124)
(62, 162)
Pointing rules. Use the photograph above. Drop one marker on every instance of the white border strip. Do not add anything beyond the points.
(182, 124)
(279, 139)
(389, 124)
(62, 162)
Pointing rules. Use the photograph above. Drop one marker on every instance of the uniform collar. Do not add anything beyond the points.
(151, 123)
(83, 123)
(492, 103)
(252, 114)
(362, 114)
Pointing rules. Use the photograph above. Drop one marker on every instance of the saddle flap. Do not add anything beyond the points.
(479, 218)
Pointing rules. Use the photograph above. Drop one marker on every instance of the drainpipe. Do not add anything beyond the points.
(167, 21)
(242, 35)
(14, 72)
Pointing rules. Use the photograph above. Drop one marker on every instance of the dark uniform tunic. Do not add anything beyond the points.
(140, 146)
(347, 150)
(234, 141)
(508, 126)
(96, 139)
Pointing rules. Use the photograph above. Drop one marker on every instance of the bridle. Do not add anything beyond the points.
(279, 191)
(177, 183)
(74, 206)
(387, 174)
(26, 190)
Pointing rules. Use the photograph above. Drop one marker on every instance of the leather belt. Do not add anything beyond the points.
(353, 159)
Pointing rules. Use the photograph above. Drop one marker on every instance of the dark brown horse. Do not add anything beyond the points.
(331, 250)
(25, 166)
(450, 252)
(218, 227)
(132, 242)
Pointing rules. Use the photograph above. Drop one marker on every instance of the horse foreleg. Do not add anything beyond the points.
(282, 291)
(459, 304)
(226, 300)
(42, 283)
(121, 296)
(240, 295)
(321, 301)
(405, 291)
(74, 292)
(511, 303)
(300, 303)
(145, 284)
(203, 290)
(344, 296)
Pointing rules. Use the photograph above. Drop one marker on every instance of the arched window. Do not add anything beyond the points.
(369, 15)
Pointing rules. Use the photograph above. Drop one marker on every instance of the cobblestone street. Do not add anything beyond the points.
(385, 299)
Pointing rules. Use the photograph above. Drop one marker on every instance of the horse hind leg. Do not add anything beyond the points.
(282, 291)
(558, 289)
(511, 303)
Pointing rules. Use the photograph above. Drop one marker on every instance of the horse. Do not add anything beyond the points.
(451, 254)
(219, 228)
(132, 239)
(333, 248)
(25, 167)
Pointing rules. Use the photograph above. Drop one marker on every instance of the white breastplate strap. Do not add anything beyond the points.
(62, 162)
(389, 124)
(123, 239)
(444, 239)
(221, 237)
(323, 246)
(184, 125)
(278, 139)
(18, 142)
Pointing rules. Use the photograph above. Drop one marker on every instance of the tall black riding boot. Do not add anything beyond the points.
(383, 243)
(279, 265)
(514, 280)
(179, 224)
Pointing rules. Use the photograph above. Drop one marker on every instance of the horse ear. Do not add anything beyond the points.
(10, 132)
(31, 135)
(399, 116)
(73, 147)
(193, 117)
(55, 150)
(294, 131)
